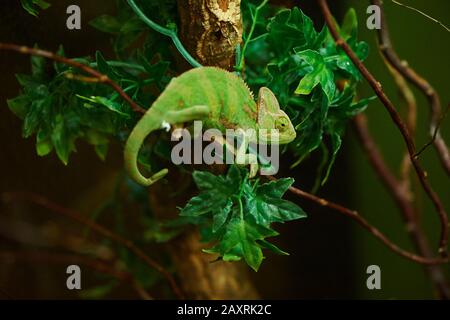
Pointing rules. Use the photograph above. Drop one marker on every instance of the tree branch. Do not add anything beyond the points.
(99, 229)
(422, 84)
(102, 78)
(353, 214)
(376, 86)
(400, 194)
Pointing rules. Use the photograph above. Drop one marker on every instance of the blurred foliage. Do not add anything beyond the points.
(33, 6)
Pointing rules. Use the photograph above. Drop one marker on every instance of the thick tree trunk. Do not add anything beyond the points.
(199, 277)
(210, 30)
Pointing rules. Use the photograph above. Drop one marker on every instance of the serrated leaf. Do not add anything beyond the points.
(266, 206)
(239, 213)
(240, 239)
(272, 247)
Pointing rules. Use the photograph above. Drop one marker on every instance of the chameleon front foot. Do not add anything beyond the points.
(157, 176)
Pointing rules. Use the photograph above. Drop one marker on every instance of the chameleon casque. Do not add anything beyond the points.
(220, 99)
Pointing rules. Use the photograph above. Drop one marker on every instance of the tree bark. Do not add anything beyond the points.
(199, 277)
(211, 30)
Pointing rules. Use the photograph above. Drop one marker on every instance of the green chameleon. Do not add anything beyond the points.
(217, 97)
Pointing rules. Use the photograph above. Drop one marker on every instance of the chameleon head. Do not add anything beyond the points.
(271, 117)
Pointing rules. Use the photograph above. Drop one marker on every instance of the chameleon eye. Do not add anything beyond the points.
(281, 123)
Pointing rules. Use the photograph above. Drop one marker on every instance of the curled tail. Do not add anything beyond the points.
(149, 122)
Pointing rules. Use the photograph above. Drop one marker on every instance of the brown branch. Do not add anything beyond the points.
(98, 265)
(376, 86)
(92, 72)
(422, 84)
(353, 214)
(400, 194)
(99, 229)
(411, 121)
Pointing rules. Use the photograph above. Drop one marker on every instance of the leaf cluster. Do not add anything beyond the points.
(59, 109)
(313, 79)
(236, 214)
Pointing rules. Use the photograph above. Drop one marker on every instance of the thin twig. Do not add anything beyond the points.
(240, 65)
(353, 214)
(103, 267)
(376, 86)
(99, 229)
(400, 194)
(423, 14)
(422, 84)
(435, 134)
(102, 78)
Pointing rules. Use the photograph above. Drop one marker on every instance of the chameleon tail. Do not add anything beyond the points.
(144, 127)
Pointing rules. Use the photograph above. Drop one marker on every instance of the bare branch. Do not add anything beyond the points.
(400, 193)
(422, 84)
(353, 214)
(376, 86)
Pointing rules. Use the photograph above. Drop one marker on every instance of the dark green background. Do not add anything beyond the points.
(426, 47)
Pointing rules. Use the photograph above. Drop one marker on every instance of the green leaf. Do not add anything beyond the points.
(319, 74)
(62, 140)
(19, 105)
(111, 105)
(106, 23)
(336, 143)
(266, 206)
(272, 247)
(240, 239)
(349, 26)
(98, 292)
(32, 6)
(44, 143)
(292, 28)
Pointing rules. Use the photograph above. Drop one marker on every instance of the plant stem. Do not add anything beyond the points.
(240, 66)
(167, 32)
(121, 64)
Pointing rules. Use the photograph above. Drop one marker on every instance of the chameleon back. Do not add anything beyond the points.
(230, 100)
